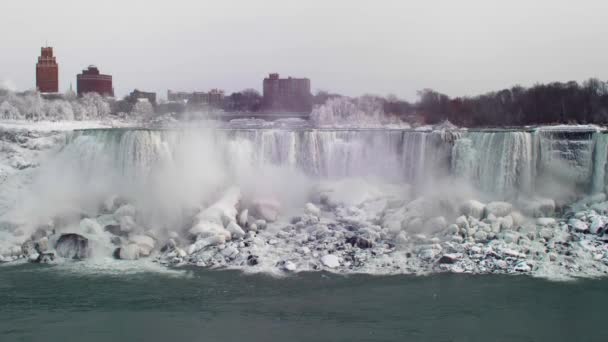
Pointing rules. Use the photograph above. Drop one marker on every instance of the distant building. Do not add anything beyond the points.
(137, 95)
(287, 94)
(47, 72)
(214, 98)
(91, 81)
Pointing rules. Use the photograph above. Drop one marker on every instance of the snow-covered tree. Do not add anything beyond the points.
(8, 111)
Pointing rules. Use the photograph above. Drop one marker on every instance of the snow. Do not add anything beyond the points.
(330, 261)
(404, 229)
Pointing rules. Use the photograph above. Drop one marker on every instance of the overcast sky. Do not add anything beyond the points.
(351, 47)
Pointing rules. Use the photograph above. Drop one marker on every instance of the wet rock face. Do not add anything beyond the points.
(359, 242)
(73, 246)
(252, 260)
(45, 258)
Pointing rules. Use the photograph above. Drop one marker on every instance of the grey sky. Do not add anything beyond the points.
(352, 47)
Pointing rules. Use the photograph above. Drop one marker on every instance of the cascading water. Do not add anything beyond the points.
(497, 162)
(504, 163)
(211, 192)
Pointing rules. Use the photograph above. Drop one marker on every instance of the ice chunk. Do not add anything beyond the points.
(472, 208)
(330, 261)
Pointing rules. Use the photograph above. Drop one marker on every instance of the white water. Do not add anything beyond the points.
(169, 175)
(179, 168)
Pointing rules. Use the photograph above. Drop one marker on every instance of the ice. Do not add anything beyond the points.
(272, 200)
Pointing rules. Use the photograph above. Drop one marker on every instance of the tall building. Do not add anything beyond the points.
(91, 81)
(287, 94)
(47, 72)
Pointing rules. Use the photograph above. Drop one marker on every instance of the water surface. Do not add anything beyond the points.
(52, 304)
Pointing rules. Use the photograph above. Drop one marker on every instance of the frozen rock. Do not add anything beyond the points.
(546, 233)
(127, 224)
(523, 267)
(498, 209)
(230, 252)
(115, 230)
(490, 218)
(450, 258)
(472, 208)
(252, 260)
(125, 210)
(289, 266)
(600, 207)
(597, 198)
(330, 261)
(518, 218)
(312, 209)
(236, 231)
(45, 258)
(28, 248)
(538, 207)
(578, 225)
(267, 210)
(545, 221)
(481, 236)
(414, 225)
(427, 253)
(243, 217)
(170, 245)
(145, 243)
(513, 253)
(73, 246)
(89, 226)
(457, 238)
(501, 264)
(462, 222)
(453, 229)
(435, 224)
(261, 224)
(209, 241)
(597, 225)
(33, 257)
(359, 242)
(208, 229)
(507, 222)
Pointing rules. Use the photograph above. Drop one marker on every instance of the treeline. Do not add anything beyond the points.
(551, 103)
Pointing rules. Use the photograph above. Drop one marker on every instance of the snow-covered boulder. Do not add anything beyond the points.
(267, 209)
(235, 230)
(472, 208)
(538, 207)
(312, 209)
(144, 242)
(597, 225)
(578, 225)
(330, 261)
(498, 209)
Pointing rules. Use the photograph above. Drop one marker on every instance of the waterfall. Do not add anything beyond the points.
(598, 182)
(497, 162)
(504, 163)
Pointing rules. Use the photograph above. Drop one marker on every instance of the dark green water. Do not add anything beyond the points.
(54, 305)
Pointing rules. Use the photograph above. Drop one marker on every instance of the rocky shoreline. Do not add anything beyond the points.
(375, 236)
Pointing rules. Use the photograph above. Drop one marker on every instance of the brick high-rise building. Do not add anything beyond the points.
(91, 81)
(287, 94)
(47, 72)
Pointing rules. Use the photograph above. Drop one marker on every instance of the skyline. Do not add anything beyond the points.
(390, 48)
